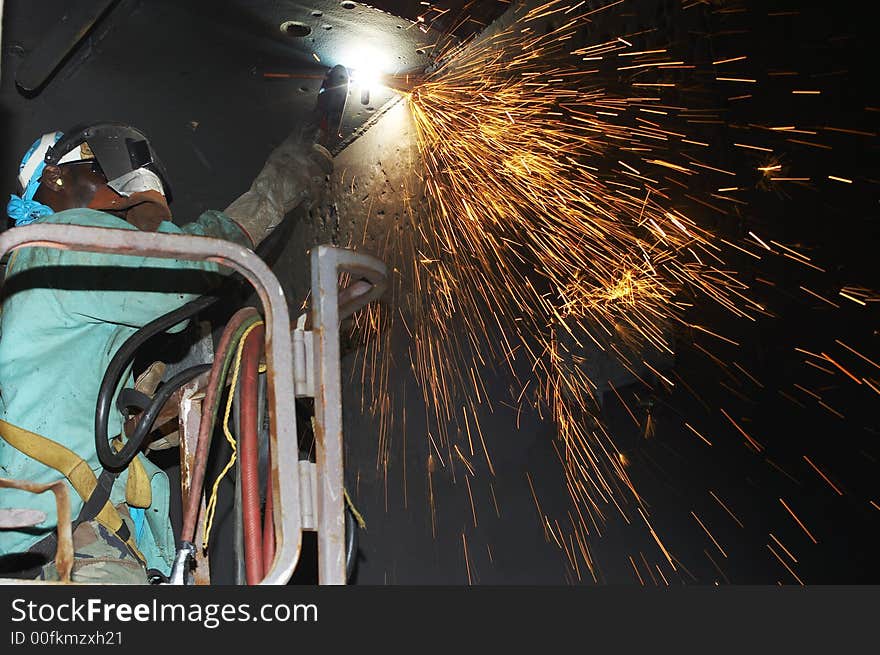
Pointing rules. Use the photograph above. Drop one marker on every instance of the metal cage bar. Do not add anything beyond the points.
(327, 263)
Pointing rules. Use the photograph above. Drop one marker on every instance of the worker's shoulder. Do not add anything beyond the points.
(33, 257)
(211, 223)
(86, 217)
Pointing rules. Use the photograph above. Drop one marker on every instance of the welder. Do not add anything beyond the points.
(65, 314)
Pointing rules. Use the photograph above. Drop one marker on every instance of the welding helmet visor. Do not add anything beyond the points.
(119, 150)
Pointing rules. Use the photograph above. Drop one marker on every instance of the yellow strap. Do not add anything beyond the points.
(138, 492)
(70, 465)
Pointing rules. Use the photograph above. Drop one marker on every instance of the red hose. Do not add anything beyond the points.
(212, 397)
(249, 438)
(268, 526)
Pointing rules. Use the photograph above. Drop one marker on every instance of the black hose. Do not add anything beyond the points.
(117, 461)
(351, 543)
(126, 353)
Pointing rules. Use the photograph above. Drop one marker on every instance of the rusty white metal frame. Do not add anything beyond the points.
(189, 418)
(279, 358)
(329, 307)
(64, 550)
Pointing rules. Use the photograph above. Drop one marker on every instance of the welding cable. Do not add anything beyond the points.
(237, 326)
(117, 368)
(351, 542)
(117, 461)
(126, 354)
(249, 444)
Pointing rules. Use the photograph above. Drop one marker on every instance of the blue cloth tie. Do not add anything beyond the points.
(25, 212)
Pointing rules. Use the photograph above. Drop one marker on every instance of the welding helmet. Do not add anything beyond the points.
(119, 149)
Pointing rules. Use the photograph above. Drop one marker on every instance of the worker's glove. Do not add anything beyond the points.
(295, 174)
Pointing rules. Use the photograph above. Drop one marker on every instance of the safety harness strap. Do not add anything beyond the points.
(79, 474)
